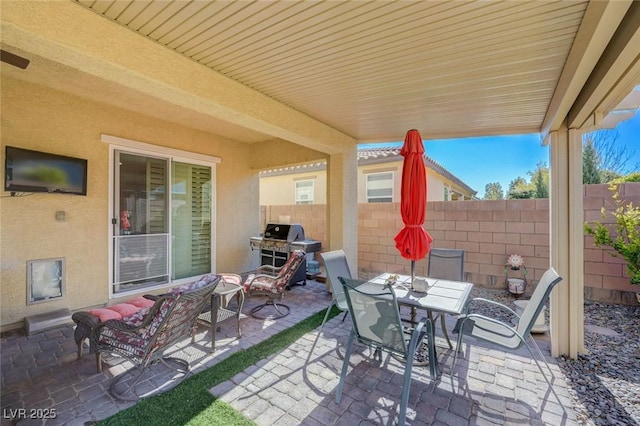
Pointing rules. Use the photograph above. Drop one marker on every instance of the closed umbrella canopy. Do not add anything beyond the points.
(413, 241)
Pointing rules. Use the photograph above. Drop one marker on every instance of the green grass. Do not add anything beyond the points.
(191, 403)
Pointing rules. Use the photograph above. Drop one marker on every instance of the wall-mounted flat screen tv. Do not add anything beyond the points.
(35, 171)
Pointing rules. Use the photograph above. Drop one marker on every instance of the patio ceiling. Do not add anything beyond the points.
(374, 69)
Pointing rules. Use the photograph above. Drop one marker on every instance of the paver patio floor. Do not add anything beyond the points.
(488, 386)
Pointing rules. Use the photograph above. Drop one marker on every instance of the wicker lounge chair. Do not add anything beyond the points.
(143, 338)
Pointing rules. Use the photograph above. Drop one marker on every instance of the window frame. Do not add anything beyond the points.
(391, 187)
(296, 194)
(116, 143)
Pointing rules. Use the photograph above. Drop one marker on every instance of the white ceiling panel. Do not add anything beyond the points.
(374, 69)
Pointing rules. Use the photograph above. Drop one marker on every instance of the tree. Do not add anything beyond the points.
(517, 183)
(590, 161)
(540, 180)
(519, 188)
(522, 193)
(607, 176)
(493, 191)
(612, 159)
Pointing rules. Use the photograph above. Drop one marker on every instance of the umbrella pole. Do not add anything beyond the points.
(413, 272)
(413, 276)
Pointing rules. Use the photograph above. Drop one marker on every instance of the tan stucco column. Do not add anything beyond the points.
(342, 204)
(566, 242)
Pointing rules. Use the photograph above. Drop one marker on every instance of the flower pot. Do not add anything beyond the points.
(516, 285)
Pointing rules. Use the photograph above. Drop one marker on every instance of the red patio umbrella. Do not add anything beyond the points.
(413, 241)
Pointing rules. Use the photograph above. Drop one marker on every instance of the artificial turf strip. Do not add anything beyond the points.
(191, 402)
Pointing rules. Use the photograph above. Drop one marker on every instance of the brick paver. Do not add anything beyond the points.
(488, 386)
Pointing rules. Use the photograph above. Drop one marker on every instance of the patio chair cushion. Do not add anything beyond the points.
(263, 284)
(141, 302)
(231, 278)
(105, 314)
(124, 309)
(195, 285)
(137, 318)
(121, 311)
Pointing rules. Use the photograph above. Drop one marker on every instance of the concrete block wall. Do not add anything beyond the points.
(605, 276)
(312, 217)
(488, 231)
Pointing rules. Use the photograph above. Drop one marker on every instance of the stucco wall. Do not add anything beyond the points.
(279, 190)
(38, 118)
(435, 188)
(488, 231)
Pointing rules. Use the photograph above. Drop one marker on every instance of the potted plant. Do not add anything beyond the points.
(516, 286)
(622, 237)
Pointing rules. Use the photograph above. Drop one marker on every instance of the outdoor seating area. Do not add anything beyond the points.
(487, 386)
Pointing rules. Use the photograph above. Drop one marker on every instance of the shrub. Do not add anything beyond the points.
(622, 238)
(632, 177)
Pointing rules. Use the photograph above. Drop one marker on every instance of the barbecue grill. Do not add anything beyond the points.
(278, 241)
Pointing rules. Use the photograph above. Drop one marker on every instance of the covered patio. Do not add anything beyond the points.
(249, 86)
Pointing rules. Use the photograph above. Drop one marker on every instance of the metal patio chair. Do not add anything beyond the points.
(492, 330)
(445, 264)
(377, 324)
(335, 263)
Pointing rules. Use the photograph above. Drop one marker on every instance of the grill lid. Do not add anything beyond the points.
(284, 232)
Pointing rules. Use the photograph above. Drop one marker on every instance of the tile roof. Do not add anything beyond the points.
(379, 154)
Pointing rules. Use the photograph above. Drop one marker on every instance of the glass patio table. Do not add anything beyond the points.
(440, 298)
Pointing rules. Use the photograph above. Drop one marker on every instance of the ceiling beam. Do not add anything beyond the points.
(599, 24)
(615, 75)
(69, 34)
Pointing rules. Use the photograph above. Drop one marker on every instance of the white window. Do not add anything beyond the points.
(162, 217)
(304, 192)
(380, 187)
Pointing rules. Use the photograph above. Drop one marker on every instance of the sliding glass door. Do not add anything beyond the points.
(161, 221)
(191, 220)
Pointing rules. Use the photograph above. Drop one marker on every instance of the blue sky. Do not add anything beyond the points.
(481, 160)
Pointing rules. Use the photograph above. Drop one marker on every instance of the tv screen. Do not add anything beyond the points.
(34, 171)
